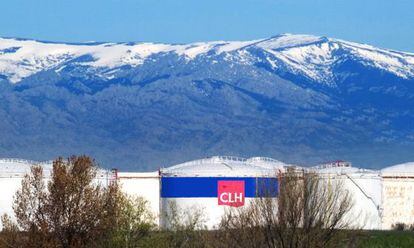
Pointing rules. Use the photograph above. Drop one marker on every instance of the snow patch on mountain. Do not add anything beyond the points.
(285, 41)
(311, 56)
(316, 56)
(401, 64)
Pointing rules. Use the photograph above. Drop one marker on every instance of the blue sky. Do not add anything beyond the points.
(384, 23)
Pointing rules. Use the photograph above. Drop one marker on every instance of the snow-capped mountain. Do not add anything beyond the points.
(311, 56)
(300, 98)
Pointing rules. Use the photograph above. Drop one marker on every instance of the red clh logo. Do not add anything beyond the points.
(230, 193)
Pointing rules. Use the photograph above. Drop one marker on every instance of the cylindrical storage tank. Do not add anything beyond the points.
(212, 185)
(12, 172)
(145, 185)
(398, 194)
(365, 188)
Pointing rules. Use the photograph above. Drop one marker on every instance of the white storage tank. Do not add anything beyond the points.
(12, 171)
(214, 184)
(398, 194)
(365, 187)
(145, 185)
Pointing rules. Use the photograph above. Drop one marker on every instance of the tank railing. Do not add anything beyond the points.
(24, 161)
(9, 169)
(262, 159)
(337, 164)
(47, 174)
(229, 158)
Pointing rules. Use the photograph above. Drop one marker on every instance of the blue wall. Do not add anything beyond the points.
(193, 187)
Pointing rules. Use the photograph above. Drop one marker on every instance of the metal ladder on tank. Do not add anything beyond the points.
(377, 206)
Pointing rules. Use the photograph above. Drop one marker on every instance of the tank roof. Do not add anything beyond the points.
(19, 167)
(345, 170)
(224, 166)
(404, 168)
(12, 167)
(340, 167)
(268, 163)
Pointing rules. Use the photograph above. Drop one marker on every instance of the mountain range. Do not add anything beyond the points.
(140, 106)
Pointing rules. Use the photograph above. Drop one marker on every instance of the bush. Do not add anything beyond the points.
(185, 228)
(399, 226)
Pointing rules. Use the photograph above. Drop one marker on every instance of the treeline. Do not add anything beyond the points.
(73, 210)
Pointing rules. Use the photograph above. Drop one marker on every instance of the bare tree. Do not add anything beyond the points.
(308, 212)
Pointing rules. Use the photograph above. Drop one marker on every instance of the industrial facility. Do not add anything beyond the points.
(382, 198)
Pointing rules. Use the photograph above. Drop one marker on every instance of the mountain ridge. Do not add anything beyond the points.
(63, 52)
(298, 98)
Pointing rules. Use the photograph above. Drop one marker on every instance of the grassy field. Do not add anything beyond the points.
(380, 239)
(370, 239)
